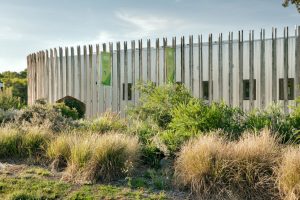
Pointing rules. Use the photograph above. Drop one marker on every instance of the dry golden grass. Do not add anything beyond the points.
(93, 157)
(289, 174)
(17, 144)
(215, 169)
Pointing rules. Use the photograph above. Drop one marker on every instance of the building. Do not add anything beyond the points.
(247, 73)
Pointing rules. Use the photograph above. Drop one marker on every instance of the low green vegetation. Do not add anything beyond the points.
(35, 183)
(170, 144)
(16, 83)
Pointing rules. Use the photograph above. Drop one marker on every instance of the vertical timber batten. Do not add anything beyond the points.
(220, 65)
(251, 69)
(148, 60)
(67, 71)
(118, 77)
(165, 43)
(133, 70)
(125, 92)
(285, 69)
(297, 63)
(191, 64)
(262, 70)
(91, 81)
(200, 62)
(157, 63)
(182, 60)
(241, 60)
(230, 62)
(274, 65)
(210, 69)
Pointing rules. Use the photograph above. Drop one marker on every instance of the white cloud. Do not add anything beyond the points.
(8, 33)
(138, 25)
(17, 64)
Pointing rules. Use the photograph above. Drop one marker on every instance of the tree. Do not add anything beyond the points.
(295, 2)
(16, 82)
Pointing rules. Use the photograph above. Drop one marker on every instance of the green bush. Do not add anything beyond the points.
(16, 83)
(274, 119)
(46, 116)
(156, 102)
(8, 101)
(67, 111)
(22, 195)
(146, 132)
(151, 155)
(7, 116)
(74, 104)
(197, 117)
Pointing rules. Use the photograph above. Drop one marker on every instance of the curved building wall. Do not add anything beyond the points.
(242, 72)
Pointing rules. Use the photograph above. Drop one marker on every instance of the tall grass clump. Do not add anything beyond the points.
(93, 157)
(34, 142)
(10, 142)
(58, 151)
(105, 123)
(244, 169)
(199, 164)
(288, 177)
(114, 156)
(17, 143)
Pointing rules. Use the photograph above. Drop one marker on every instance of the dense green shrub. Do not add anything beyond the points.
(157, 102)
(197, 116)
(46, 116)
(147, 131)
(16, 82)
(73, 103)
(8, 101)
(67, 111)
(272, 118)
(7, 116)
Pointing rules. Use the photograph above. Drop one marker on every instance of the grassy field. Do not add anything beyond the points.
(171, 146)
(20, 181)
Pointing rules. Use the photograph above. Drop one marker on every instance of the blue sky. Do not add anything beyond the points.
(32, 25)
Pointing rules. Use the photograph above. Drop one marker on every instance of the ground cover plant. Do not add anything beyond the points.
(169, 143)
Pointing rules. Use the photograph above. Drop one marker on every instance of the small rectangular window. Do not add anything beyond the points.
(129, 95)
(205, 89)
(246, 89)
(290, 89)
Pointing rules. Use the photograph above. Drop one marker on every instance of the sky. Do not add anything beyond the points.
(33, 25)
